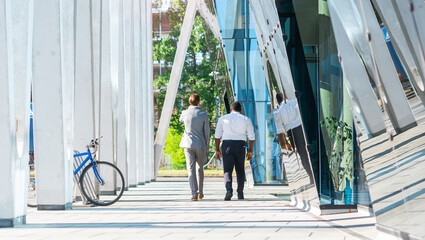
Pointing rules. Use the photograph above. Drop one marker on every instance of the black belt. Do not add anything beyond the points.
(241, 141)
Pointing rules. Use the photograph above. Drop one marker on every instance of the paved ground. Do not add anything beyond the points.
(162, 210)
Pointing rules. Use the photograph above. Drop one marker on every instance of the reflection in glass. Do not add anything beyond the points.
(249, 86)
(324, 105)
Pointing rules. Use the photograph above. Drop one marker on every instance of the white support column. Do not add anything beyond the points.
(411, 19)
(209, 17)
(173, 84)
(84, 98)
(150, 109)
(138, 47)
(53, 82)
(363, 100)
(120, 81)
(130, 91)
(398, 108)
(266, 18)
(403, 45)
(15, 65)
(144, 97)
(107, 146)
(392, 93)
(113, 11)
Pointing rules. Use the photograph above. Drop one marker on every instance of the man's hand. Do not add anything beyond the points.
(218, 155)
(249, 155)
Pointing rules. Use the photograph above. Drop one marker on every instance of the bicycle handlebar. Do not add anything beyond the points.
(94, 143)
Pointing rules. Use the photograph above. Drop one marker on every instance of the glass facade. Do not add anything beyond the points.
(249, 86)
(323, 101)
(324, 104)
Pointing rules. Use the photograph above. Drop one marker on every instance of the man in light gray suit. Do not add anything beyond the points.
(195, 143)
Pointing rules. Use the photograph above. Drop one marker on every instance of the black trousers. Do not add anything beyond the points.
(296, 136)
(233, 153)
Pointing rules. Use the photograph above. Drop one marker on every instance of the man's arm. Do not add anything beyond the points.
(280, 130)
(251, 147)
(278, 121)
(181, 119)
(251, 137)
(217, 148)
(282, 141)
(218, 134)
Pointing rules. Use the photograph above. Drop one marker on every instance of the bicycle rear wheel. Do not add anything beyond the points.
(106, 193)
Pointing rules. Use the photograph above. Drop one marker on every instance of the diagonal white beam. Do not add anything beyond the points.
(266, 17)
(383, 73)
(363, 100)
(210, 18)
(173, 84)
(402, 43)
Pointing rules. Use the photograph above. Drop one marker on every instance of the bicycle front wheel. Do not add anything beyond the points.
(102, 184)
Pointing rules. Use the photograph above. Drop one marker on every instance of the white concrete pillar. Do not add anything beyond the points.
(53, 92)
(113, 11)
(130, 90)
(144, 97)
(138, 94)
(149, 64)
(84, 92)
(15, 65)
(121, 131)
(107, 144)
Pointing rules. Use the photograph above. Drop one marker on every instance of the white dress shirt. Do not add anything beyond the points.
(234, 126)
(287, 116)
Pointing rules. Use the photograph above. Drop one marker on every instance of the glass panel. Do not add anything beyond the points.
(231, 18)
(236, 59)
(257, 82)
(249, 86)
(324, 105)
(266, 164)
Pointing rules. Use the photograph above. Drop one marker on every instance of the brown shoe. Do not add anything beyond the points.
(194, 198)
(200, 196)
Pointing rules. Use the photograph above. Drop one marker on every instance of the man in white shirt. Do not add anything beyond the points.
(287, 119)
(233, 129)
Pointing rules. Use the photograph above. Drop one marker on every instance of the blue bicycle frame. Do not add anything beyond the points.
(89, 157)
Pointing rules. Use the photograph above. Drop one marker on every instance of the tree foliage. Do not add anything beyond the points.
(204, 58)
(204, 62)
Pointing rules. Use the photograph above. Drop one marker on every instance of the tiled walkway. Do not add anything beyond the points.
(162, 210)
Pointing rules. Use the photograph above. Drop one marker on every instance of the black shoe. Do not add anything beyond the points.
(228, 196)
(240, 196)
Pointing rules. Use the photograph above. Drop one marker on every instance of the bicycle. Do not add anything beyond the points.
(105, 184)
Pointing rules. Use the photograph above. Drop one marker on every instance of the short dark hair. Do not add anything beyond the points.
(279, 98)
(236, 106)
(194, 99)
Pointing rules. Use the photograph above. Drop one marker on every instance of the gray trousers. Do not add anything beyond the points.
(195, 159)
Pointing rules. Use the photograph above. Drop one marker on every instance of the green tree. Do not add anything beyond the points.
(204, 61)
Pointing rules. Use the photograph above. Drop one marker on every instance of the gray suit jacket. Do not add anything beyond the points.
(196, 128)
